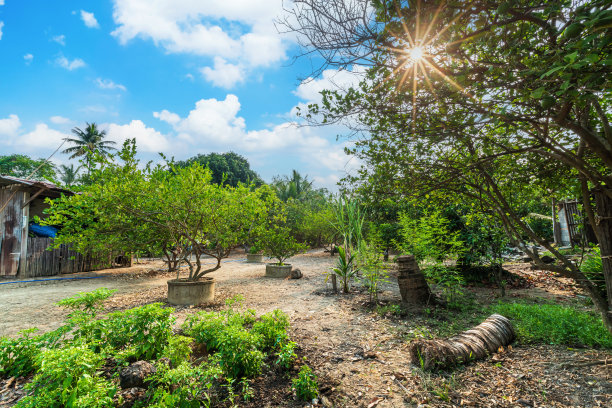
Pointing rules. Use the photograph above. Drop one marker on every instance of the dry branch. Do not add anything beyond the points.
(472, 344)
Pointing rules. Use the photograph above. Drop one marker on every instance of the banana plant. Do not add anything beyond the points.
(345, 268)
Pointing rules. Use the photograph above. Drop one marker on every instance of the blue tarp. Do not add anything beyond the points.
(43, 231)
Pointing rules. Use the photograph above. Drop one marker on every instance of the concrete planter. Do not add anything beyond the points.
(184, 292)
(255, 258)
(278, 271)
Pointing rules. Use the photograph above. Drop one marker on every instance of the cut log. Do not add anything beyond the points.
(473, 344)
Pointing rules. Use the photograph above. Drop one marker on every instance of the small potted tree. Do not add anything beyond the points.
(255, 254)
(279, 244)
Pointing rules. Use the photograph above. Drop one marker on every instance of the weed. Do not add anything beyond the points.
(286, 355)
(67, 377)
(305, 385)
(178, 349)
(555, 324)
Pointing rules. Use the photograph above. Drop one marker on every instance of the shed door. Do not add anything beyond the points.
(10, 233)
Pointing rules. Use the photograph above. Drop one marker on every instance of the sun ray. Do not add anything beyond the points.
(418, 23)
(445, 28)
(449, 80)
(399, 14)
(414, 92)
(427, 81)
(433, 21)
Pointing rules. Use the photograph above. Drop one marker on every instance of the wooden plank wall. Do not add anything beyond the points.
(10, 231)
(43, 262)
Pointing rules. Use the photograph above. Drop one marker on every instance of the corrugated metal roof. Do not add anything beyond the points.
(8, 180)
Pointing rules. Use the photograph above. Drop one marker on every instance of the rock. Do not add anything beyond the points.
(526, 259)
(296, 273)
(135, 374)
(548, 259)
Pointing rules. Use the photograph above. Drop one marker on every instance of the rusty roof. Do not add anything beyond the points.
(8, 180)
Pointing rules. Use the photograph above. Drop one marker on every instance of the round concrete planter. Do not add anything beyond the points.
(184, 292)
(278, 271)
(255, 258)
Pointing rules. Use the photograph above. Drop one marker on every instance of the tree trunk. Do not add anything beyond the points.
(411, 281)
(472, 344)
(603, 225)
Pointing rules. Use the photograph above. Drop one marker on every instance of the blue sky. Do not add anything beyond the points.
(181, 76)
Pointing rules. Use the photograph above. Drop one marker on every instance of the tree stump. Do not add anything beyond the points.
(472, 344)
(412, 284)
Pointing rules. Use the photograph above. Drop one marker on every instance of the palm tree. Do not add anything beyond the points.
(68, 174)
(88, 141)
(297, 186)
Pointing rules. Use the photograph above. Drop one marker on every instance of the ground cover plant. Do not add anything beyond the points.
(210, 364)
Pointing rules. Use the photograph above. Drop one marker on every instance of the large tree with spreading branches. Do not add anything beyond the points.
(486, 101)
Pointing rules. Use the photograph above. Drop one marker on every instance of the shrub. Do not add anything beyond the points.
(17, 356)
(141, 332)
(87, 302)
(305, 385)
(272, 327)
(67, 377)
(183, 386)
(592, 267)
(178, 350)
(239, 352)
(555, 324)
(286, 355)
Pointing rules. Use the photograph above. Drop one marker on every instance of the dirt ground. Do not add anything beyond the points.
(358, 354)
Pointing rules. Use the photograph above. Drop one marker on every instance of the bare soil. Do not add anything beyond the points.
(357, 350)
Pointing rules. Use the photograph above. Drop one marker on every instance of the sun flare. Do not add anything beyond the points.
(416, 53)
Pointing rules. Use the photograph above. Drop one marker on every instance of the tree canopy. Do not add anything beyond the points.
(479, 102)
(22, 166)
(226, 168)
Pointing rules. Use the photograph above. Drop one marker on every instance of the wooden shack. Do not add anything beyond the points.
(25, 256)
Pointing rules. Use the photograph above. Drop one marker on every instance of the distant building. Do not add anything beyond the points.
(23, 255)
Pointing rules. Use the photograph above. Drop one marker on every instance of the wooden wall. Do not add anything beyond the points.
(43, 262)
(10, 231)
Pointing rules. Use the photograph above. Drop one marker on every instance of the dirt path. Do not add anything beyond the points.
(359, 355)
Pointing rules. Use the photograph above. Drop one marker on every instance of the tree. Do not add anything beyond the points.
(69, 174)
(175, 211)
(226, 168)
(22, 166)
(297, 187)
(87, 142)
(492, 102)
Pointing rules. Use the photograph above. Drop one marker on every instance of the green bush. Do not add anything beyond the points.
(286, 354)
(305, 385)
(17, 356)
(239, 352)
(593, 269)
(178, 350)
(272, 327)
(87, 302)
(555, 324)
(139, 333)
(183, 386)
(68, 378)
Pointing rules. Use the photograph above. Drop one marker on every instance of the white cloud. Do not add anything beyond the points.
(70, 65)
(166, 116)
(1, 2)
(59, 120)
(28, 58)
(224, 75)
(60, 39)
(241, 32)
(310, 89)
(109, 84)
(42, 137)
(10, 125)
(1, 25)
(147, 139)
(89, 19)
